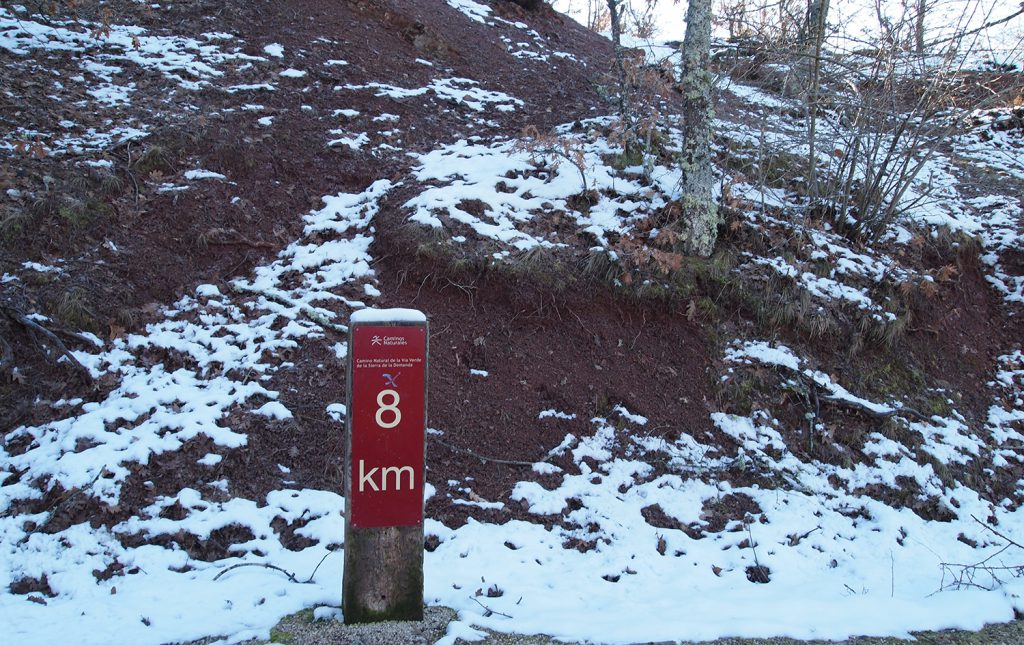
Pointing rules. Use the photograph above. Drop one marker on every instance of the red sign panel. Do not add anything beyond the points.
(388, 418)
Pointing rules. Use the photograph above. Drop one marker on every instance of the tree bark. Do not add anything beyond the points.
(922, 8)
(699, 221)
(817, 21)
(620, 65)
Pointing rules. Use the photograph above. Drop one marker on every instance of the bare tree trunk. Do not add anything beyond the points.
(922, 8)
(595, 15)
(817, 15)
(699, 222)
(620, 65)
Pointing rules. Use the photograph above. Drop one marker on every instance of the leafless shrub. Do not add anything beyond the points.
(884, 131)
(875, 109)
(767, 21)
(989, 573)
(556, 148)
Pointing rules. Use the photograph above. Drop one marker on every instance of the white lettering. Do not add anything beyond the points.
(398, 472)
(392, 408)
(366, 477)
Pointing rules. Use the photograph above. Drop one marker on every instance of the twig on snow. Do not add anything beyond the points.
(488, 609)
(291, 576)
(966, 575)
(989, 528)
(317, 568)
(307, 311)
(485, 459)
(75, 492)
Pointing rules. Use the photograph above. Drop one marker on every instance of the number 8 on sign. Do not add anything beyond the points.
(392, 407)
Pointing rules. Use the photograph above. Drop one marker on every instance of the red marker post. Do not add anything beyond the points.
(385, 467)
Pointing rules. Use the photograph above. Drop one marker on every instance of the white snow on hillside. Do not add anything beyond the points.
(180, 58)
(519, 182)
(836, 560)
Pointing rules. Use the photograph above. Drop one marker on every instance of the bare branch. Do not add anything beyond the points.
(988, 25)
(6, 354)
(989, 528)
(488, 609)
(317, 568)
(35, 329)
(483, 458)
(291, 576)
(966, 576)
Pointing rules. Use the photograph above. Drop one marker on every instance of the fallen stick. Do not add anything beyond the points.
(892, 412)
(291, 576)
(35, 328)
(483, 458)
(489, 610)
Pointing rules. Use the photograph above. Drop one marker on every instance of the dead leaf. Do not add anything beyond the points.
(946, 273)
(716, 570)
(116, 331)
(667, 237)
(929, 288)
(667, 262)
(691, 311)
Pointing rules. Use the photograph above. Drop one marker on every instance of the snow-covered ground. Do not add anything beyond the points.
(814, 556)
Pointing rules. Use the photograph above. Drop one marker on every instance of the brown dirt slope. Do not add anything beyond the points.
(545, 342)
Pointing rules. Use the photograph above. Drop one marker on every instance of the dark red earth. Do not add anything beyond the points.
(545, 342)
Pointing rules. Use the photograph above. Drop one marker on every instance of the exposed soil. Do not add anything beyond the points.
(148, 248)
(543, 344)
(137, 248)
(503, 344)
(966, 318)
(541, 349)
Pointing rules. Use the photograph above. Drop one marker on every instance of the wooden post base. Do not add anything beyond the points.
(383, 578)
